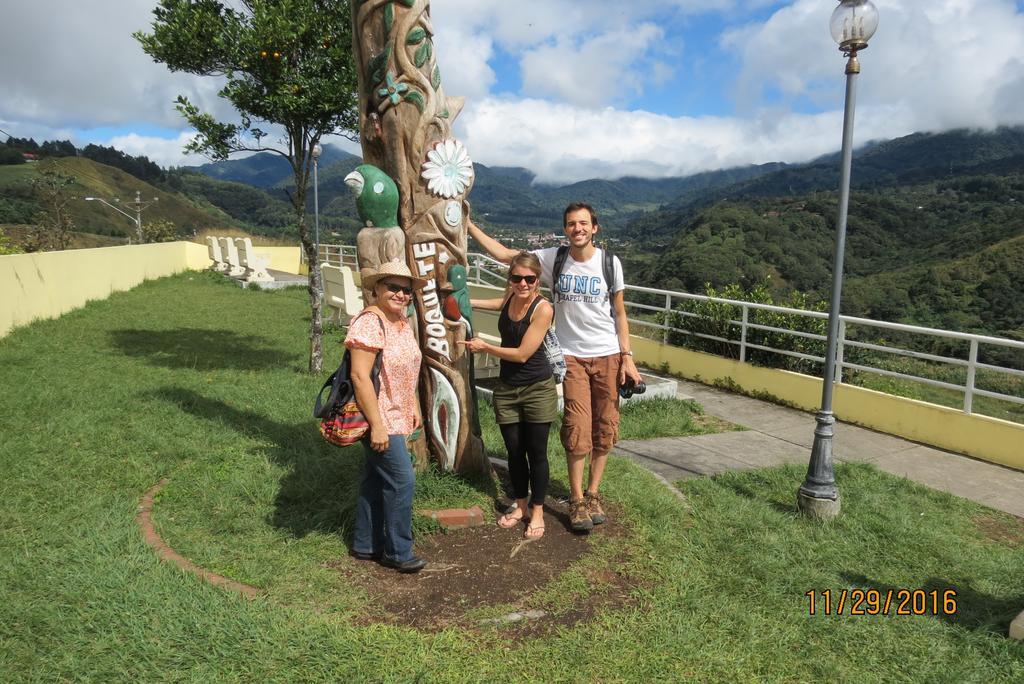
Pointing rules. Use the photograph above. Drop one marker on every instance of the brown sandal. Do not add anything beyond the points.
(533, 532)
(507, 522)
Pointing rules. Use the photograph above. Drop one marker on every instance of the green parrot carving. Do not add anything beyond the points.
(382, 239)
(376, 196)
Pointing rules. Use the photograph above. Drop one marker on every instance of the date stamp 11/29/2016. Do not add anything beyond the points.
(881, 602)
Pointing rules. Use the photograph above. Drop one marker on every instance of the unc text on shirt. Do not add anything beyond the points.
(581, 285)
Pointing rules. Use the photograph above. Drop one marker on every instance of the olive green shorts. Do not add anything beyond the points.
(536, 403)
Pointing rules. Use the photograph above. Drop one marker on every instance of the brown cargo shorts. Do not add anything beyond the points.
(590, 424)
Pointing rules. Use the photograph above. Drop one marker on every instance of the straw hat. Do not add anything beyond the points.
(394, 268)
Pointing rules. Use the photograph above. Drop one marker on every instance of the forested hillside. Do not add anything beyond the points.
(944, 253)
(504, 198)
(20, 203)
(908, 161)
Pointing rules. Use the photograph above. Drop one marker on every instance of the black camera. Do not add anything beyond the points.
(629, 388)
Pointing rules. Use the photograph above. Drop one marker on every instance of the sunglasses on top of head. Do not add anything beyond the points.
(516, 278)
(395, 288)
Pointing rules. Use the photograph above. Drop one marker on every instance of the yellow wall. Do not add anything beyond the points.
(485, 321)
(47, 284)
(989, 439)
(281, 258)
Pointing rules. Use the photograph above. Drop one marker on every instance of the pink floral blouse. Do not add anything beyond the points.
(399, 370)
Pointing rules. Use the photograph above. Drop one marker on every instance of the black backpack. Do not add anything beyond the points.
(340, 383)
(609, 274)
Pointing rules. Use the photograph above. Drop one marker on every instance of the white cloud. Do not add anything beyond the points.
(163, 151)
(942, 64)
(591, 71)
(517, 25)
(79, 66)
(562, 143)
(463, 59)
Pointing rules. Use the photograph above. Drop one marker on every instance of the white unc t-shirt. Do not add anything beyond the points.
(583, 321)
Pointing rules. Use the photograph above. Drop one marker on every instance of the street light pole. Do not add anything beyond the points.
(138, 205)
(316, 199)
(853, 24)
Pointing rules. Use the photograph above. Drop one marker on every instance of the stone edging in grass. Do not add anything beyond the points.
(456, 518)
(1017, 627)
(144, 519)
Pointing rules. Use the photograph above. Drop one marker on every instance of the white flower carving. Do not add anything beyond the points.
(448, 169)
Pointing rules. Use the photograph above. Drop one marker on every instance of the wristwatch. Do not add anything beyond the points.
(625, 353)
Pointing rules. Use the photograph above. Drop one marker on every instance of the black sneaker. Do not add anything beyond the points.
(414, 564)
(362, 555)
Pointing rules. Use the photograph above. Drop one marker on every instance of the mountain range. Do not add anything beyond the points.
(935, 234)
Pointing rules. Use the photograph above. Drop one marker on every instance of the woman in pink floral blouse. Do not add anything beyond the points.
(383, 528)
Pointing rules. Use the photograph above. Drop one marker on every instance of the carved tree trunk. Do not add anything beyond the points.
(405, 124)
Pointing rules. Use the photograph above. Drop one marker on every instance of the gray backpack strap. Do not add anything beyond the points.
(609, 278)
(556, 272)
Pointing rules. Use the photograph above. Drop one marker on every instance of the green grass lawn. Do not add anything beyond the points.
(193, 379)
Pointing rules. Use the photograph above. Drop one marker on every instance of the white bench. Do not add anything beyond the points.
(255, 263)
(340, 293)
(213, 248)
(229, 251)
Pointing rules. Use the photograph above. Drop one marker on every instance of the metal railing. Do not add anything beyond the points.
(483, 270)
(336, 255)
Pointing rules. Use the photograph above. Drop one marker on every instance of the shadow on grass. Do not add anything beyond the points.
(318, 493)
(201, 349)
(974, 610)
(750, 492)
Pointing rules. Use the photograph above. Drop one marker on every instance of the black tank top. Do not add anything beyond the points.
(535, 368)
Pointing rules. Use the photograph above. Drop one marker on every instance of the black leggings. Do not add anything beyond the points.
(527, 446)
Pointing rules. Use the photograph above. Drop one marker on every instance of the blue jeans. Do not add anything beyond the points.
(384, 506)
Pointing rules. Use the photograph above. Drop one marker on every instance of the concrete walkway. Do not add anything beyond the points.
(776, 435)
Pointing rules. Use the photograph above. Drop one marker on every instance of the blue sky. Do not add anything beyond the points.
(573, 89)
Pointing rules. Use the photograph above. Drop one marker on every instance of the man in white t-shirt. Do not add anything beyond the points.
(597, 352)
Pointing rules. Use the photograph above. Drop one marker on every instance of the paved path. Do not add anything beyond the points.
(778, 435)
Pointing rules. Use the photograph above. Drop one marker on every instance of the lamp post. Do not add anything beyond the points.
(852, 25)
(316, 199)
(138, 205)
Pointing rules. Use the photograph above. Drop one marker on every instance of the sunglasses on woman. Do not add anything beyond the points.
(516, 278)
(395, 288)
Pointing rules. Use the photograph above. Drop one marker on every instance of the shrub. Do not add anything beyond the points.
(716, 327)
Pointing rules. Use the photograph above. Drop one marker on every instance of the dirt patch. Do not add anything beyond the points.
(1002, 529)
(489, 566)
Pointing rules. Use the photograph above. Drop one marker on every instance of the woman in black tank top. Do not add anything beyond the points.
(512, 331)
(525, 400)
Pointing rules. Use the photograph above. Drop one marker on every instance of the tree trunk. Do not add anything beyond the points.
(314, 285)
(405, 124)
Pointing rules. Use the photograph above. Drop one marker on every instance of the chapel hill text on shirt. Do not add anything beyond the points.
(583, 289)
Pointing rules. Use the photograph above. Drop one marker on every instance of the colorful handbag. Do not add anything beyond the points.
(344, 426)
(342, 422)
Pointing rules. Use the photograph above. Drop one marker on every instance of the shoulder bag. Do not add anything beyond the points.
(342, 422)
